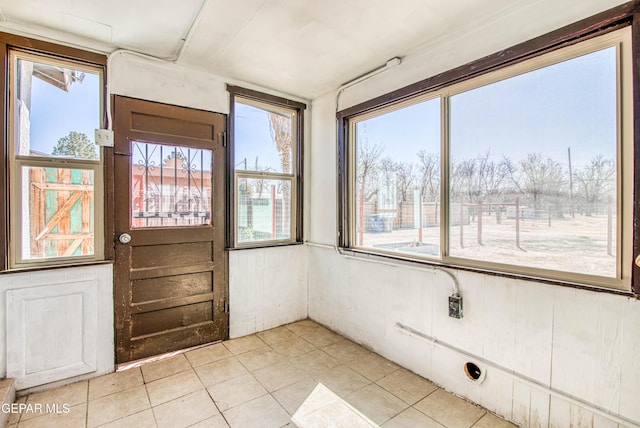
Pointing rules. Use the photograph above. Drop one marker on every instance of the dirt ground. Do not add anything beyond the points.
(574, 244)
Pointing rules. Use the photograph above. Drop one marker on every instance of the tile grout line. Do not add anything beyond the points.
(479, 419)
(288, 359)
(86, 412)
(144, 382)
(250, 372)
(206, 389)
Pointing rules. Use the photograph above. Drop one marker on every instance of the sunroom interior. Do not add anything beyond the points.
(437, 198)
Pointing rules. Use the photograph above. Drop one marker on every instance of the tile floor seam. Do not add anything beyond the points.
(20, 414)
(215, 404)
(153, 413)
(239, 404)
(115, 392)
(281, 406)
(176, 397)
(178, 372)
(111, 421)
(479, 419)
(86, 410)
(258, 380)
(431, 393)
(243, 364)
(394, 415)
(261, 384)
(200, 379)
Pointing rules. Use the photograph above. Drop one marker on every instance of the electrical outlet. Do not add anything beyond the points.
(104, 137)
(455, 306)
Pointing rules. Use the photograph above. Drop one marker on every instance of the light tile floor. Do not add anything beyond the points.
(255, 381)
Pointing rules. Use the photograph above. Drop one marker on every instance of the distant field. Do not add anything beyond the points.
(576, 244)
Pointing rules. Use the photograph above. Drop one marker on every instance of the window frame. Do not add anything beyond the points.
(493, 68)
(10, 195)
(265, 101)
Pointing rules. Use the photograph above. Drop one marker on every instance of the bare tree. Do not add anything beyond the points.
(492, 175)
(368, 166)
(596, 180)
(540, 178)
(405, 178)
(259, 185)
(428, 175)
(463, 180)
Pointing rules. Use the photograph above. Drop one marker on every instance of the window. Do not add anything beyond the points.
(525, 170)
(55, 167)
(397, 179)
(267, 164)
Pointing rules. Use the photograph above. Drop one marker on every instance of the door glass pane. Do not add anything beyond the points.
(170, 185)
(57, 208)
(264, 209)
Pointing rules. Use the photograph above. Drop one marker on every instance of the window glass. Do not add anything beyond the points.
(58, 212)
(263, 139)
(265, 149)
(262, 209)
(57, 110)
(533, 170)
(397, 180)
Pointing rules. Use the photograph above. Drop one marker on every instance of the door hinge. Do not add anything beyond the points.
(223, 138)
(225, 306)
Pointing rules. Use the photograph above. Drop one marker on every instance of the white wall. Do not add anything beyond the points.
(553, 356)
(165, 82)
(267, 288)
(57, 325)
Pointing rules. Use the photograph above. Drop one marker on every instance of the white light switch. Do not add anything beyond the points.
(104, 137)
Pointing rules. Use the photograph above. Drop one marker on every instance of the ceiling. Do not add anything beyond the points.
(299, 47)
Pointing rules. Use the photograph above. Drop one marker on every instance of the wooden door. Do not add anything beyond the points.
(170, 267)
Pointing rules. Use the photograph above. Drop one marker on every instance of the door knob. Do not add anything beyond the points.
(638, 261)
(125, 238)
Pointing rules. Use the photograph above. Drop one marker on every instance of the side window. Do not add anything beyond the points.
(267, 149)
(55, 166)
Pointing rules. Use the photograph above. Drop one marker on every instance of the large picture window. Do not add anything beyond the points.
(526, 169)
(267, 164)
(55, 167)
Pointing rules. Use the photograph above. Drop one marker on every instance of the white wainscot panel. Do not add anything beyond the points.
(49, 332)
(57, 325)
